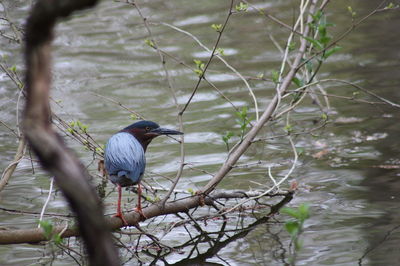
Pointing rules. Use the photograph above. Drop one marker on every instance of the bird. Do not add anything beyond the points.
(124, 157)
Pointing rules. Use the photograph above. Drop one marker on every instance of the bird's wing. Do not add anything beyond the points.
(124, 155)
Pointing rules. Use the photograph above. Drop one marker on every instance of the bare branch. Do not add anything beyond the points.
(70, 175)
(8, 172)
(133, 218)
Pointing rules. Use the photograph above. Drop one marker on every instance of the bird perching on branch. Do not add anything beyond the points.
(124, 157)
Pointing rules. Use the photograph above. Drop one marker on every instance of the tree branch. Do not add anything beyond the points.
(133, 218)
(70, 175)
(13, 165)
(266, 116)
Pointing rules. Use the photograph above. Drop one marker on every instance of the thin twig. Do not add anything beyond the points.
(9, 128)
(8, 172)
(347, 32)
(220, 58)
(276, 185)
(119, 104)
(47, 202)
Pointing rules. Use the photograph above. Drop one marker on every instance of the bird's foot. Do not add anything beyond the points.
(121, 216)
(140, 211)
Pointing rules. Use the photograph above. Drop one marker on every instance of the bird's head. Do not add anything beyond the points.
(145, 131)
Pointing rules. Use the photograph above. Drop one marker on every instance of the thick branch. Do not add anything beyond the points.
(70, 175)
(114, 223)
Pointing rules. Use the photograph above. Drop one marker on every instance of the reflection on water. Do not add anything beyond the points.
(354, 197)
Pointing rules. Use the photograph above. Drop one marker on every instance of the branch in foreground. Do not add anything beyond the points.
(70, 175)
(133, 218)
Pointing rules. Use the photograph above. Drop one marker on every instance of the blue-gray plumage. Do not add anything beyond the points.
(124, 157)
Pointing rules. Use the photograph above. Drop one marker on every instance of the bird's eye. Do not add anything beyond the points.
(147, 129)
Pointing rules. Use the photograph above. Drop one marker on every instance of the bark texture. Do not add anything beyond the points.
(70, 175)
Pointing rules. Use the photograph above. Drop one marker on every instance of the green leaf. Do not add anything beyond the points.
(241, 7)
(291, 212)
(275, 76)
(148, 198)
(13, 68)
(197, 62)
(304, 211)
(331, 51)
(227, 136)
(220, 51)
(47, 228)
(288, 128)
(300, 151)
(57, 239)
(322, 30)
(150, 43)
(309, 66)
(291, 46)
(317, 16)
(293, 228)
(316, 43)
(217, 27)
(298, 82)
(133, 117)
(199, 72)
(390, 6)
(191, 191)
(350, 9)
(298, 244)
(325, 40)
(100, 150)
(242, 120)
(242, 113)
(84, 128)
(79, 123)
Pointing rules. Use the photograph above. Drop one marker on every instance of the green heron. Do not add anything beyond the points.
(125, 160)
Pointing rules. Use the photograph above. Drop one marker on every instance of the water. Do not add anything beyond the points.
(354, 199)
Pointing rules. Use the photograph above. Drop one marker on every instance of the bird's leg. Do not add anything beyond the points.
(119, 212)
(138, 209)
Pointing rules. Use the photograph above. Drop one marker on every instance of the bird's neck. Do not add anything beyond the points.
(142, 139)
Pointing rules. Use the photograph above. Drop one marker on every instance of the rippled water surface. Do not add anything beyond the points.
(354, 196)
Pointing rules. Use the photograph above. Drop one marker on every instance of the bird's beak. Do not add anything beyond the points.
(165, 131)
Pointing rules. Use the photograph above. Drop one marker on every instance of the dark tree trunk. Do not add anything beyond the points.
(70, 175)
